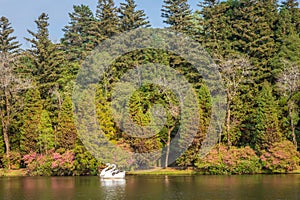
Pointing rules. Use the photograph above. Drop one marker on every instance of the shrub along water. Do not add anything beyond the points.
(68, 163)
(222, 160)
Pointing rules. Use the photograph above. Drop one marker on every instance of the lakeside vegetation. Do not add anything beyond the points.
(155, 172)
(255, 44)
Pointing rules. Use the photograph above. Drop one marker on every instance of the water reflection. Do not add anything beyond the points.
(113, 188)
(152, 187)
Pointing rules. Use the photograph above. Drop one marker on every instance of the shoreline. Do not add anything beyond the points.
(155, 172)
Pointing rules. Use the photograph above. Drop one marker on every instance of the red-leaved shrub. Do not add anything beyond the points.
(280, 157)
(222, 160)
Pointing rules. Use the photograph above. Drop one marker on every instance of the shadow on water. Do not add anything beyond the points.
(153, 187)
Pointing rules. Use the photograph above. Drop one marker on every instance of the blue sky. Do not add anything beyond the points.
(22, 14)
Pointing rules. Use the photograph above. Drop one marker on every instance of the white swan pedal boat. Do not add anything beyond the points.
(110, 172)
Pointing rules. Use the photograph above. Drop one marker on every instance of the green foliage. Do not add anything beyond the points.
(280, 157)
(74, 163)
(13, 160)
(266, 130)
(66, 130)
(220, 160)
(38, 123)
(84, 163)
(7, 42)
(190, 157)
(45, 139)
(178, 15)
(292, 6)
(47, 58)
(108, 23)
(30, 121)
(130, 18)
(216, 28)
(63, 164)
(77, 38)
(2, 145)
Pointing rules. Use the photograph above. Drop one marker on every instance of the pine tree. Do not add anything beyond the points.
(217, 29)
(45, 139)
(289, 50)
(178, 15)
(66, 131)
(266, 119)
(284, 26)
(47, 57)
(78, 39)
(292, 6)
(253, 33)
(30, 120)
(7, 42)
(130, 18)
(108, 23)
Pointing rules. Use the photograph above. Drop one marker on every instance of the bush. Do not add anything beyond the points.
(220, 160)
(61, 163)
(51, 164)
(14, 160)
(38, 164)
(280, 157)
(84, 162)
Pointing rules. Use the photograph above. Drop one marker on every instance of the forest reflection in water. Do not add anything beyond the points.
(153, 187)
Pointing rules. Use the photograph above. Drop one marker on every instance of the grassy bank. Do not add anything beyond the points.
(171, 171)
(11, 173)
(297, 171)
(168, 171)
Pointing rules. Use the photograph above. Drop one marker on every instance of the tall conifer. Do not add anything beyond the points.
(7, 42)
(130, 17)
(78, 39)
(178, 15)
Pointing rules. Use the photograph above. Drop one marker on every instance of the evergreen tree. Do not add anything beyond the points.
(45, 139)
(30, 120)
(266, 119)
(292, 6)
(66, 131)
(289, 50)
(108, 23)
(47, 57)
(253, 33)
(284, 26)
(178, 15)
(217, 29)
(130, 18)
(7, 42)
(78, 39)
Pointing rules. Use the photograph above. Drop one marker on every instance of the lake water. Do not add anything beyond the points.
(256, 187)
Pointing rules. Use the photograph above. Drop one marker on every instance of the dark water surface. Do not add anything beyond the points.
(258, 187)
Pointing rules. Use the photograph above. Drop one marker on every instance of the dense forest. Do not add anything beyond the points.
(255, 45)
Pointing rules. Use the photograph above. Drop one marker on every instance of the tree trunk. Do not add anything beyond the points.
(168, 147)
(292, 126)
(7, 145)
(5, 125)
(228, 123)
(5, 136)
